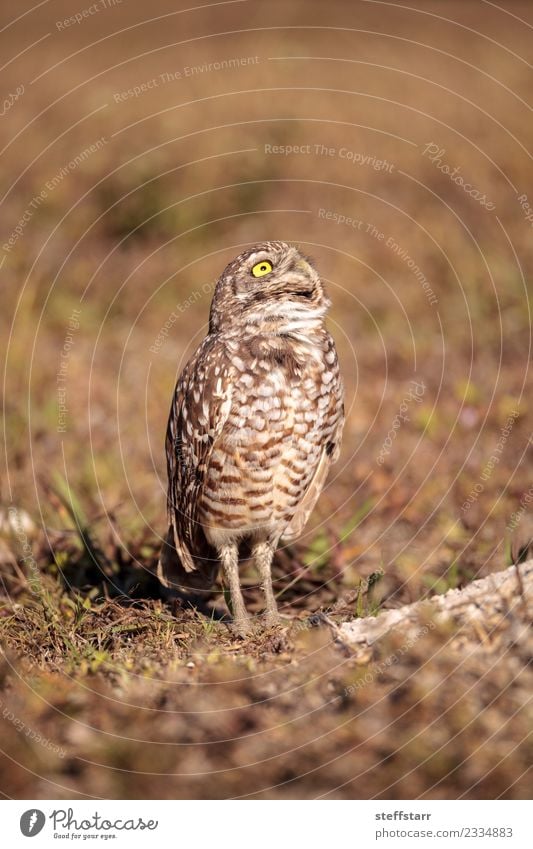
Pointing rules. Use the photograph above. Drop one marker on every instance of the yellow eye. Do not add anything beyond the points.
(262, 268)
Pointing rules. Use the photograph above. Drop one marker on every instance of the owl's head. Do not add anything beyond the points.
(271, 282)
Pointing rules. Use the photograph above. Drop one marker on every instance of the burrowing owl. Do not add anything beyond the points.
(255, 422)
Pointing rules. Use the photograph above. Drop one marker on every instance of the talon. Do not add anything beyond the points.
(243, 628)
(272, 620)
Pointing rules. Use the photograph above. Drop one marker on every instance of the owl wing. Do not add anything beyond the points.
(199, 411)
(330, 454)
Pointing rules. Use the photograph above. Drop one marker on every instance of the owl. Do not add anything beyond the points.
(255, 422)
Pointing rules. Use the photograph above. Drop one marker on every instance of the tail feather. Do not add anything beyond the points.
(173, 575)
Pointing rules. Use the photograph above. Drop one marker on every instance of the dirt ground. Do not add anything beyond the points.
(141, 150)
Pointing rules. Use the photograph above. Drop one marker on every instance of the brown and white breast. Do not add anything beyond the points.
(266, 456)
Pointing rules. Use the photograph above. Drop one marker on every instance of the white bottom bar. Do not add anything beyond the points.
(268, 824)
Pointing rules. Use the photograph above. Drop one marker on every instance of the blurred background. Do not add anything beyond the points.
(142, 148)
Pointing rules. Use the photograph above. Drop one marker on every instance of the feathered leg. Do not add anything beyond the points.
(229, 557)
(263, 553)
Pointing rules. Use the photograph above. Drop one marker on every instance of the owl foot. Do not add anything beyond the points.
(243, 627)
(272, 619)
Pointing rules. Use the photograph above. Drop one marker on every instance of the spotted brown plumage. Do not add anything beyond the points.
(255, 423)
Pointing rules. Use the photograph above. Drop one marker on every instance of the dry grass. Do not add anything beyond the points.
(97, 660)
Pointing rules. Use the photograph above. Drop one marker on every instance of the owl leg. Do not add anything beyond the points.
(229, 557)
(263, 553)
